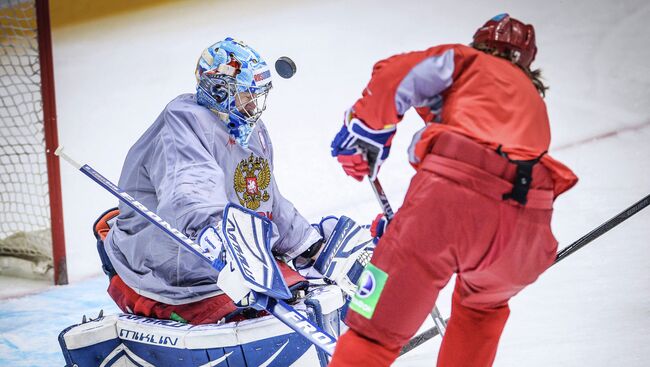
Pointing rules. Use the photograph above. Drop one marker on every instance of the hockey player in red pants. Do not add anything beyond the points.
(479, 206)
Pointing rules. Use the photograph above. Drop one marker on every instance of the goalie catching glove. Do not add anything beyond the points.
(347, 249)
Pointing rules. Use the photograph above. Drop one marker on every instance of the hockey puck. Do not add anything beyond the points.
(285, 67)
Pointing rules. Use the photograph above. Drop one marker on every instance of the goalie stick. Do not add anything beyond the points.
(563, 254)
(440, 322)
(281, 310)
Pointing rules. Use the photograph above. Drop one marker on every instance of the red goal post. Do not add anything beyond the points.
(31, 216)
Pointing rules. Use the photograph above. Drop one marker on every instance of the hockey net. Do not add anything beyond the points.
(31, 243)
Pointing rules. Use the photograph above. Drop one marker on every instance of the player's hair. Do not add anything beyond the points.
(534, 75)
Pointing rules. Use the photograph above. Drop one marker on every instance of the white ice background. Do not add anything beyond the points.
(114, 75)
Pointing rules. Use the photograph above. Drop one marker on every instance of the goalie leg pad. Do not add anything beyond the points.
(130, 340)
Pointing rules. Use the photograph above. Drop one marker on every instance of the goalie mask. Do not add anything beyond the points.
(233, 81)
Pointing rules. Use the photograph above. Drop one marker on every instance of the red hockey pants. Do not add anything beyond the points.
(454, 220)
(207, 311)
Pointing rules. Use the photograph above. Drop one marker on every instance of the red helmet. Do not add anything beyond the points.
(505, 34)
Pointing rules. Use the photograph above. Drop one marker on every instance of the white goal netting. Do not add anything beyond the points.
(25, 234)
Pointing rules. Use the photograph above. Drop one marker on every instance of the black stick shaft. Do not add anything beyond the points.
(603, 228)
(383, 200)
(420, 339)
(575, 246)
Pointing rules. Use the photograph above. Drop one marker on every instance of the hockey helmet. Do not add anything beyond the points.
(509, 36)
(233, 81)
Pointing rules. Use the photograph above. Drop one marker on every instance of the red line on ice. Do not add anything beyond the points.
(605, 135)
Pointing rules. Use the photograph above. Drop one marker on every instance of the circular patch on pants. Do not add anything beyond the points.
(370, 285)
(366, 284)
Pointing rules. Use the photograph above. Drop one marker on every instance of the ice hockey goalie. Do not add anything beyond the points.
(249, 339)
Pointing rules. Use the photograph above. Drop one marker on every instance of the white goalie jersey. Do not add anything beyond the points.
(186, 168)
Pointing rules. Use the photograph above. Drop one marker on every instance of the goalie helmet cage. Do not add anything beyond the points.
(31, 215)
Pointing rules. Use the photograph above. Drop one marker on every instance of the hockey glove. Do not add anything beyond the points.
(210, 243)
(360, 149)
(378, 227)
(346, 252)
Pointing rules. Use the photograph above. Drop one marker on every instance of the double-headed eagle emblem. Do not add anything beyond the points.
(252, 178)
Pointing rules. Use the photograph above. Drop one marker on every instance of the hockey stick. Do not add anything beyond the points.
(420, 339)
(603, 228)
(440, 322)
(564, 253)
(284, 312)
